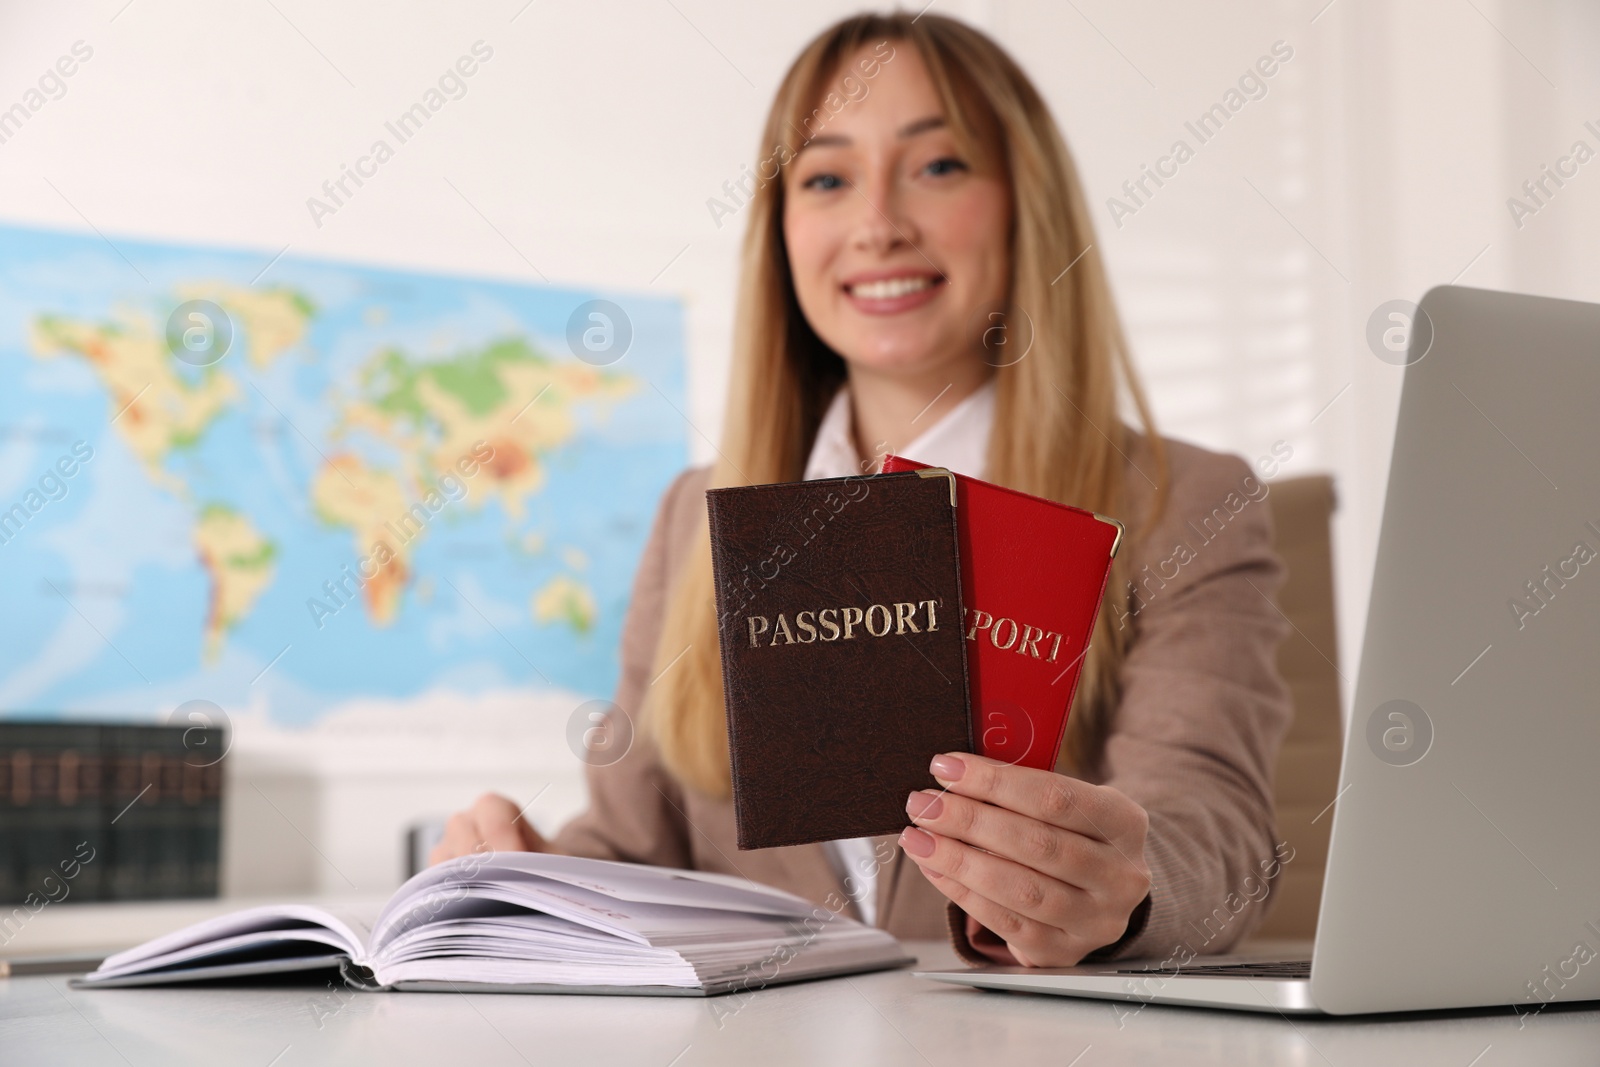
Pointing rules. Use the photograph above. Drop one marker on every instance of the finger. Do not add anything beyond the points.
(1096, 811)
(1084, 862)
(456, 840)
(495, 819)
(1023, 890)
(532, 840)
(1034, 944)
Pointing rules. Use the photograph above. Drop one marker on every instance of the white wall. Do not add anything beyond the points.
(1377, 165)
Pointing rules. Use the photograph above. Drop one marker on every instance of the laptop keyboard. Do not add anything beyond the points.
(1270, 969)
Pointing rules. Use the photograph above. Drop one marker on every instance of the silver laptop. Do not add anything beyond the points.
(1464, 866)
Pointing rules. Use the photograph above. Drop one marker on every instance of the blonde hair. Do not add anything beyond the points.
(1057, 432)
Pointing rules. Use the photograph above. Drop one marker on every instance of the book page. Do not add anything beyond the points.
(345, 929)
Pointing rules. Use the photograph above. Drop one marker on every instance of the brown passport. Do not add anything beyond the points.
(843, 664)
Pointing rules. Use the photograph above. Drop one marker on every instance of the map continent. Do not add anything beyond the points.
(314, 482)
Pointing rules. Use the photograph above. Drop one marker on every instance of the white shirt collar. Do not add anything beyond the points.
(959, 441)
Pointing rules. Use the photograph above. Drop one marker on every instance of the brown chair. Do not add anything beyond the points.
(1308, 764)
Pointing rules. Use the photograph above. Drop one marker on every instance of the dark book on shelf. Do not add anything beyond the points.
(108, 811)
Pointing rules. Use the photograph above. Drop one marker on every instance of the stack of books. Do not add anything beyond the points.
(108, 812)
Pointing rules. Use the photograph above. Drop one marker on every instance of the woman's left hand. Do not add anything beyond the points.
(1053, 865)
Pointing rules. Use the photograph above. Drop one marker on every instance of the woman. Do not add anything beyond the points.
(919, 277)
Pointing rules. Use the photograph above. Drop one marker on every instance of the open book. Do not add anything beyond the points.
(530, 922)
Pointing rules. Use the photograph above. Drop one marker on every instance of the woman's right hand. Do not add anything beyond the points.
(493, 823)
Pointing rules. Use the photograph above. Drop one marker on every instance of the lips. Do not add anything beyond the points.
(886, 293)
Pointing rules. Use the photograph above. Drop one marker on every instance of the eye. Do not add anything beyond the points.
(945, 165)
(824, 182)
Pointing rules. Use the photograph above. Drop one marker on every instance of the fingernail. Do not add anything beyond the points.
(947, 768)
(924, 805)
(917, 842)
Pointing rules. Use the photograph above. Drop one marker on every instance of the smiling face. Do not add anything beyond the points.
(898, 240)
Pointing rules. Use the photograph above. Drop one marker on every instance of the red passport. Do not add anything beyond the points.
(1033, 573)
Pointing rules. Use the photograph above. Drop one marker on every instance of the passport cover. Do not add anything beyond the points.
(1033, 572)
(843, 664)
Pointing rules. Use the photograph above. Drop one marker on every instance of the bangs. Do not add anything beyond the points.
(820, 72)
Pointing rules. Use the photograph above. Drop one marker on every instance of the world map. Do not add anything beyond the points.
(284, 483)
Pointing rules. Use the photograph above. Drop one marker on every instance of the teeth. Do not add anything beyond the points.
(889, 288)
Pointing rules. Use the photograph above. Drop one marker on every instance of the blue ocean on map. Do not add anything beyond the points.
(286, 483)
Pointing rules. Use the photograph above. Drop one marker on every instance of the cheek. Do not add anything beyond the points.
(811, 246)
(974, 232)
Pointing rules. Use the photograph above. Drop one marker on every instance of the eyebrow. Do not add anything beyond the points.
(910, 129)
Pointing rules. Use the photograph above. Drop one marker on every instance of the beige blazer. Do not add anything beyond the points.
(1195, 737)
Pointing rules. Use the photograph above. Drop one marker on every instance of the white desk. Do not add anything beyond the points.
(888, 1018)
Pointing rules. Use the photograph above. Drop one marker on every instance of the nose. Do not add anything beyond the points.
(881, 223)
